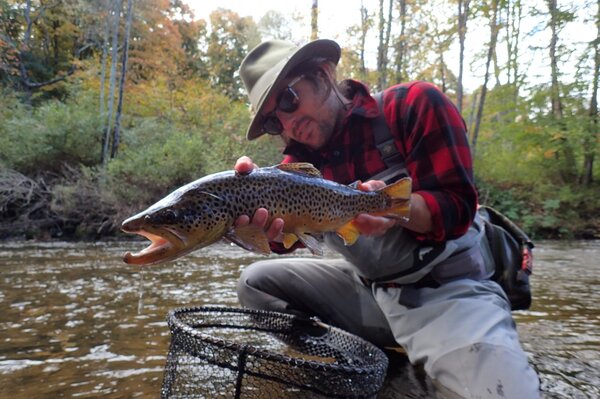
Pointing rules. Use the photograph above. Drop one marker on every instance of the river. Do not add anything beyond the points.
(77, 322)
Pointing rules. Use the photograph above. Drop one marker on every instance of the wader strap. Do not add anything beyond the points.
(466, 264)
(384, 141)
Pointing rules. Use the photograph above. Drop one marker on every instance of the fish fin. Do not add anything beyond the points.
(399, 193)
(289, 239)
(349, 233)
(303, 168)
(311, 243)
(250, 237)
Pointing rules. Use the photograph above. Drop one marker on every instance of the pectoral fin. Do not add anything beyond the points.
(349, 233)
(311, 243)
(251, 238)
(289, 239)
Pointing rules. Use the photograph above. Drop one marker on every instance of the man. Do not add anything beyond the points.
(420, 283)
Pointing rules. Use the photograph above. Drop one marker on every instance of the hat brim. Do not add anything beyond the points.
(318, 48)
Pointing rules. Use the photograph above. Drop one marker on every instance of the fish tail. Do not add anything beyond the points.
(399, 194)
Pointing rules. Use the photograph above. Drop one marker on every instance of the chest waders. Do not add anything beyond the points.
(492, 247)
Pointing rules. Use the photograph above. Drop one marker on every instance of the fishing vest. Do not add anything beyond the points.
(397, 257)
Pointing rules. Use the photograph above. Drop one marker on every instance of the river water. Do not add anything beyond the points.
(77, 322)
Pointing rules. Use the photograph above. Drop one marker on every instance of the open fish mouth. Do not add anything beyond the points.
(163, 247)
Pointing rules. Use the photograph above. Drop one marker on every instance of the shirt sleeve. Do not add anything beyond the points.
(437, 155)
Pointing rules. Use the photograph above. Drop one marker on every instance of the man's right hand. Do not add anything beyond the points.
(274, 229)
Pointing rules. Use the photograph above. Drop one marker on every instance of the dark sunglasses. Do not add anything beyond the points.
(287, 101)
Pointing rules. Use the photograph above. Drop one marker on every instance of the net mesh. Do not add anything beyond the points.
(219, 352)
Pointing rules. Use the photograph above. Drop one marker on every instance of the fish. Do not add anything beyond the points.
(204, 211)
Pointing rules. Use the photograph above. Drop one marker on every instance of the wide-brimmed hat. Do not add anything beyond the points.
(269, 63)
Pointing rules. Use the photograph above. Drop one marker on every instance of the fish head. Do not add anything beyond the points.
(175, 226)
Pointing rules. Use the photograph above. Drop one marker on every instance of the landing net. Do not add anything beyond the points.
(219, 352)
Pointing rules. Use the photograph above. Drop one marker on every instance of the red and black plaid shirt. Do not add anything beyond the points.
(430, 135)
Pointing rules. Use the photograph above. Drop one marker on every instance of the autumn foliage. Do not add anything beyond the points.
(90, 133)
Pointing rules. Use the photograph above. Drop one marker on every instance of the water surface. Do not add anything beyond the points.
(77, 322)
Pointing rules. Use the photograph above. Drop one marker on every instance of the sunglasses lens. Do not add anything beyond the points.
(272, 125)
(288, 100)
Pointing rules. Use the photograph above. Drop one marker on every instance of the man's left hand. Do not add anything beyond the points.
(369, 225)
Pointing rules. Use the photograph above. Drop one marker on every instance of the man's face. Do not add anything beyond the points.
(312, 122)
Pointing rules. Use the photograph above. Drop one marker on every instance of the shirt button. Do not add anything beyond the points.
(336, 153)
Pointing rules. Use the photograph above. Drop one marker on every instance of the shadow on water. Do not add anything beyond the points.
(77, 322)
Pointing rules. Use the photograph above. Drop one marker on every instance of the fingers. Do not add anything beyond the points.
(371, 185)
(244, 165)
(373, 225)
(274, 231)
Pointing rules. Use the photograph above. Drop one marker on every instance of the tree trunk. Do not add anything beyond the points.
(491, 51)
(103, 61)
(314, 20)
(590, 142)
(557, 108)
(401, 43)
(112, 78)
(384, 44)
(380, 46)
(463, 15)
(117, 131)
(513, 35)
(364, 28)
(565, 153)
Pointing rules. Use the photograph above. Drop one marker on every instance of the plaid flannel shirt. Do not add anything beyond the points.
(430, 135)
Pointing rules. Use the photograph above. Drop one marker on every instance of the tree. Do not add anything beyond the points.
(40, 46)
(400, 43)
(117, 131)
(274, 25)
(590, 142)
(493, 18)
(314, 20)
(565, 153)
(463, 16)
(385, 26)
(227, 44)
(106, 138)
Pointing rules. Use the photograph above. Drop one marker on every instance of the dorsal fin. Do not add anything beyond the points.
(303, 168)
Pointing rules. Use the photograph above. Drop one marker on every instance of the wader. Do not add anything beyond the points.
(436, 302)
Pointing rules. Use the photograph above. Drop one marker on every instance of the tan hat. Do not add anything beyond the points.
(269, 63)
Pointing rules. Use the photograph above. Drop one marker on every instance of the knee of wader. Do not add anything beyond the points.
(259, 284)
(259, 274)
(484, 370)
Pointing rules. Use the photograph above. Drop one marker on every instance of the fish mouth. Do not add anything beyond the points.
(164, 245)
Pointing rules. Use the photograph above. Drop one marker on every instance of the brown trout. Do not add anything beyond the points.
(204, 211)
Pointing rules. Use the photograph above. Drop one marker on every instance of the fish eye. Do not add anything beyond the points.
(169, 216)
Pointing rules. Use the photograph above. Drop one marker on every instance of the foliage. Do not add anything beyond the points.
(43, 139)
(185, 113)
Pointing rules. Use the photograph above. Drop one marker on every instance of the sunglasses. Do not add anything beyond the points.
(288, 102)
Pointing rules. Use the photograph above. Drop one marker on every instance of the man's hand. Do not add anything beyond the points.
(369, 225)
(274, 230)
(244, 165)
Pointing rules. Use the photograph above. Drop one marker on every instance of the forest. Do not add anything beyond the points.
(108, 105)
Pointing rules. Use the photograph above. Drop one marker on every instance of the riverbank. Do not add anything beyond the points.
(81, 205)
